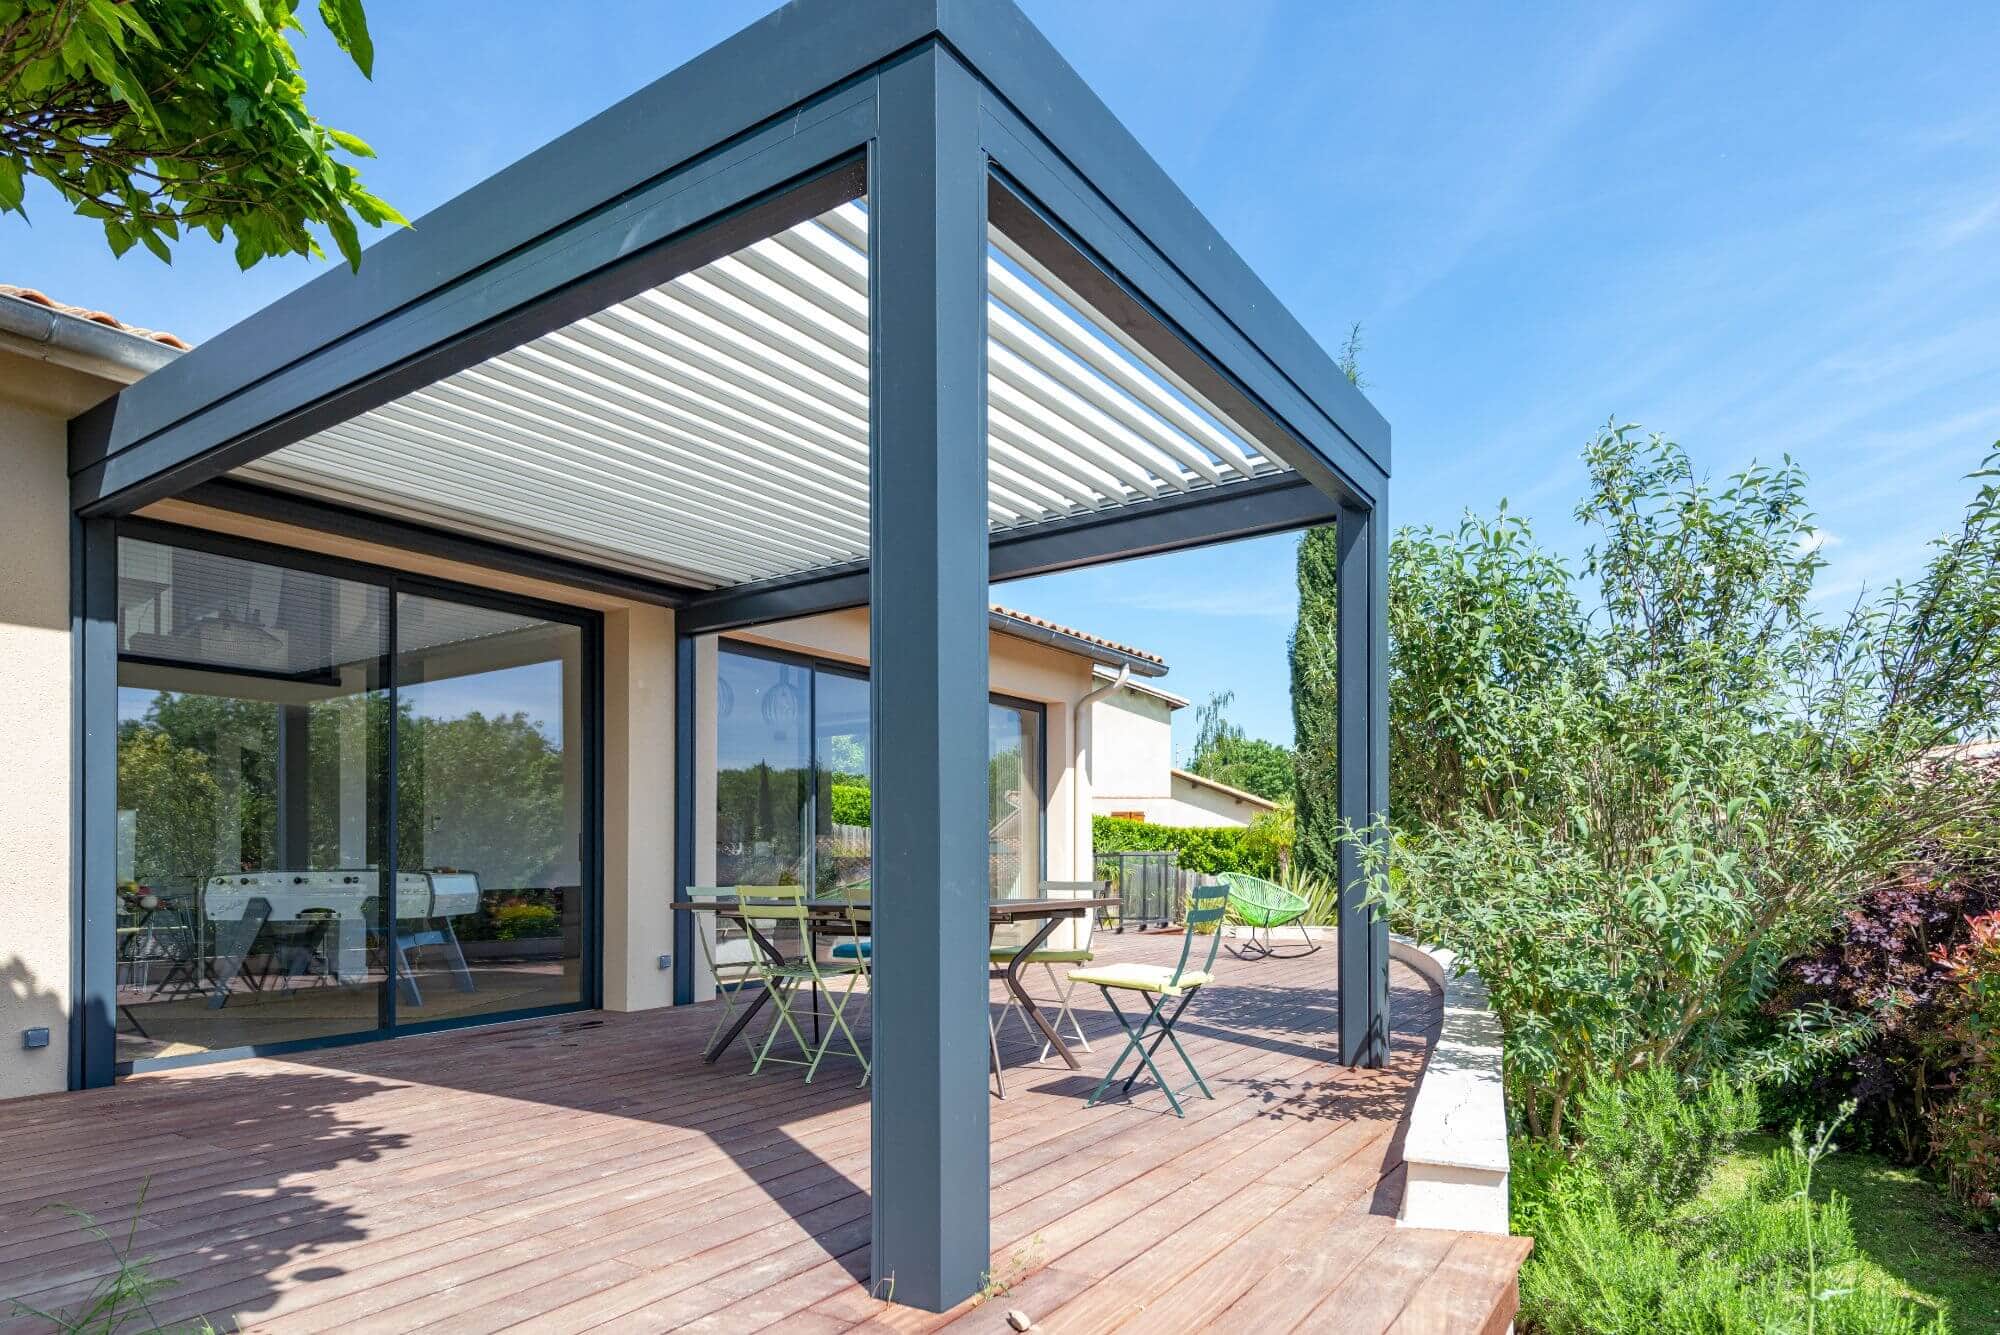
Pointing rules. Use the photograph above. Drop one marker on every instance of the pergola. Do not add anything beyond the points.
(868, 305)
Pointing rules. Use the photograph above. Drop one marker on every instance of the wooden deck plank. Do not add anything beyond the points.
(591, 1172)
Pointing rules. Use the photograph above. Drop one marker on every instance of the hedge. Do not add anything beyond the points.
(1208, 849)
(851, 805)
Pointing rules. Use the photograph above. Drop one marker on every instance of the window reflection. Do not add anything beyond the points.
(794, 801)
(762, 771)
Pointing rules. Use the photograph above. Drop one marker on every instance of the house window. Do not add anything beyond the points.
(793, 804)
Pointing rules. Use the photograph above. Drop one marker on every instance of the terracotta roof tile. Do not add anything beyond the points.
(1073, 633)
(31, 295)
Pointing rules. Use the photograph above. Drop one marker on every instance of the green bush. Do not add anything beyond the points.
(1652, 1149)
(852, 805)
(521, 922)
(1625, 1244)
(1208, 849)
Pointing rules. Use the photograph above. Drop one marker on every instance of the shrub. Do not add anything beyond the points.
(1610, 1260)
(1652, 1149)
(852, 804)
(1628, 810)
(520, 922)
(1887, 960)
(1966, 1131)
(1201, 848)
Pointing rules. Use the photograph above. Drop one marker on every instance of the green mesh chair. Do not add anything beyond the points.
(1156, 984)
(1266, 905)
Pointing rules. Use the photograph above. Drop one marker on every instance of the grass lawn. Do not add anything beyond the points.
(1909, 1239)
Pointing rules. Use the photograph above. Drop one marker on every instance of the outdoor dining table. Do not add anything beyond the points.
(833, 912)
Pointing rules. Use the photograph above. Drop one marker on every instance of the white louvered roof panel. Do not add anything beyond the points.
(714, 430)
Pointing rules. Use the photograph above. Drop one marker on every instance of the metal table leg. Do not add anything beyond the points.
(1020, 991)
(756, 1003)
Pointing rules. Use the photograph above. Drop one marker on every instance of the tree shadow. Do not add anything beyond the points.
(229, 1145)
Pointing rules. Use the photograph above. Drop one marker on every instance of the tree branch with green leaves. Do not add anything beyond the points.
(162, 117)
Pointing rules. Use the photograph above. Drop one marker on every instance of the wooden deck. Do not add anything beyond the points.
(593, 1173)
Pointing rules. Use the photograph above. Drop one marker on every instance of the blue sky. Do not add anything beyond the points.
(1759, 229)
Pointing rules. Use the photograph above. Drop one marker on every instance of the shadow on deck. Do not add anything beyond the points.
(593, 1172)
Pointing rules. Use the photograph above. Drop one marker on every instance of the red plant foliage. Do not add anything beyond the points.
(1965, 1132)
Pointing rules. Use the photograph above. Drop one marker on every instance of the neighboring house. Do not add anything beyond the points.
(252, 701)
(1131, 746)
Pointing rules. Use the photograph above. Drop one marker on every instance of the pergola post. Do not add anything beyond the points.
(1362, 658)
(928, 647)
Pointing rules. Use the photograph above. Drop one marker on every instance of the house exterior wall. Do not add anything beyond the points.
(1131, 747)
(638, 744)
(1199, 804)
(35, 721)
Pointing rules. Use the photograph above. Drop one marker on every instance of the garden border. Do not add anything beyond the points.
(1455, 1150)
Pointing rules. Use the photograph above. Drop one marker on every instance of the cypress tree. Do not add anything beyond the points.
(1315, 707)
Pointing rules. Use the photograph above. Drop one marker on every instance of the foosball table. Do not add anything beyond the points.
(237, 907)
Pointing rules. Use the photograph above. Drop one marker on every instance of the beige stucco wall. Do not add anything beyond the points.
(35, 724)
(638, 807)
(1132, 745)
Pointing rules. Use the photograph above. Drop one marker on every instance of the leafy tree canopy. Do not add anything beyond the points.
(1223, 753)
(160, 116)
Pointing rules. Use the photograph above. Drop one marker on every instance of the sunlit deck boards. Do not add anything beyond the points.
(549, 1176)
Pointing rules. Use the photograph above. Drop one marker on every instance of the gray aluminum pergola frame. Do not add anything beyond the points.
(948, 114)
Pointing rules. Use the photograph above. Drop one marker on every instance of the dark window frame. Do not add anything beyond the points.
(814, 663)
(393, 583)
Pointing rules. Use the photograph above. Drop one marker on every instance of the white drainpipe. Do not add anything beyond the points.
(1088, 756)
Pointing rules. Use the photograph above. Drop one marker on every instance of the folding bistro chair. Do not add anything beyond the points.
(731, 963)
(783, 981)
(1080, 930)
(1157, 985)
(1265, 905)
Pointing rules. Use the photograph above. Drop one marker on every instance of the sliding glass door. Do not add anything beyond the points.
(793, 798)
(277, 719)
(489, 810)
(251, 803)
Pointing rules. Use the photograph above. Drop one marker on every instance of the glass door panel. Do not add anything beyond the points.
(844, 818)
(1014, 800)
(763, 816)
(490, 782)
(252, 712)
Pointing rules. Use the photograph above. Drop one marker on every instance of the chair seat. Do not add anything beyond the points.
(1141, 978)
(849, 950)
(803, 970)
(1000, 954)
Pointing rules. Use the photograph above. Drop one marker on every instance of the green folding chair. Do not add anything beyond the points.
(787, 903)
(1265, 905)
(1001, 954)
(1156, 984)
(732, 962)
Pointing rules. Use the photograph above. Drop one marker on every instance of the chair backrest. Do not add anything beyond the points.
(1263, 894)
(1075, 933)
(1206, 906)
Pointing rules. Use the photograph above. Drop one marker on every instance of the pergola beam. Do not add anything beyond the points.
(1201, 518)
